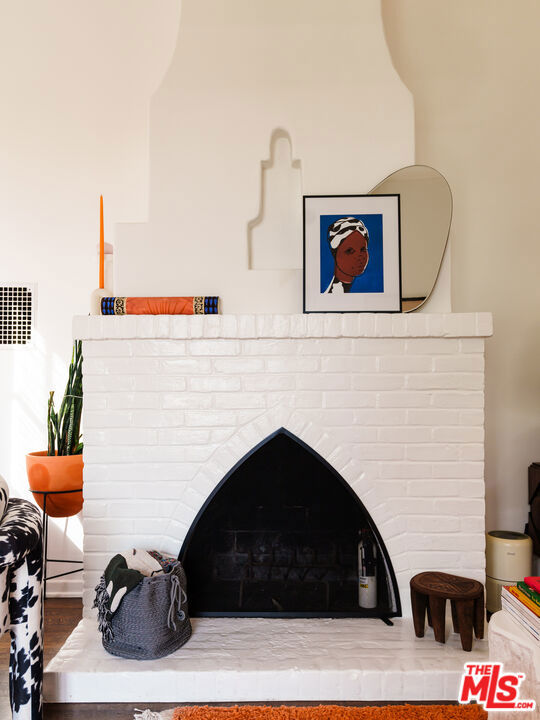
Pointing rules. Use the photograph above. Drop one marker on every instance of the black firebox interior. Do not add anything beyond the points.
(279, 538)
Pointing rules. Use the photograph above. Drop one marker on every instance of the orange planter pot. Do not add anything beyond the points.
(56, 473)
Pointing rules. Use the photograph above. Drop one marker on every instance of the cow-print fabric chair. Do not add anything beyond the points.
(21, 575)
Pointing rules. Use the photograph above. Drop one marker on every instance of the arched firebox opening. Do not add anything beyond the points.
(284, 535)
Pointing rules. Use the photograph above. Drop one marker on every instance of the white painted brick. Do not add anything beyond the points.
(179, 326)
(446, 381)
(403, 399)
(378, 382)
(133, 400)
(121, 366)
(432, 452)
(459, 363)
(357, 434)
(384, 325)
(134, 453)
(106, 348)
(471, 452)
(474, 560)
(183, 436)
(214, 383)
(469, 470)
(186, 400)
(140, 472)
(336, 346)
(120, 436)
(471, 488)
(321, 381)
(458, 434)
(470, 399)
(213, 347)
(95, 401)
(472, 345)
(349, 399)
(105, 383)
(377, 416)
(378, 452)
(304, 399)
(145, 326)
(238, 365)
(106, 419)
(332, 418)
(433, 524)
(484, 324)
(154, 418)
(405, 470)
(473, 524)
(222, 434)
(471, 417)
(440, 541)
(211, 418)
(433, 417)
(262, 383)
(349, 364)
(269, 347)
(186, 365)
(292, 364)
(246, 326)
(157, 348)
(460, 506)
(405, 434)
(434, 560)
(157, 383)
(239, 400)
(94, 509)
(412, 506)
(417, 324)
(372, 346)
(405, 363)
(433, 488)
(391, 453)
(431, 346)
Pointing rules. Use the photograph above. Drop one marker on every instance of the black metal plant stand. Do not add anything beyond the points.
(46, 559)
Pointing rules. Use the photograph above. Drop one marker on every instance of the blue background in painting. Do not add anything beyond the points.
(372, 280)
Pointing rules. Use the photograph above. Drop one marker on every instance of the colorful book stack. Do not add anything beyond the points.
(522, 601)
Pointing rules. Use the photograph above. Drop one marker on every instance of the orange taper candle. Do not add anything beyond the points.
(101, 245)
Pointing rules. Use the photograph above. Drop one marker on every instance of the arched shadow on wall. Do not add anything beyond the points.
(274, 236)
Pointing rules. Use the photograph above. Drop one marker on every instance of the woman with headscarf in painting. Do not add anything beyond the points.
(348, 238)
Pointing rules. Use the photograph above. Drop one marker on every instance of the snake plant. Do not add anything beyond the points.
(63, 427)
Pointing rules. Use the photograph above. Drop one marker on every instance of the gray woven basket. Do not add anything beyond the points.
(152, 619)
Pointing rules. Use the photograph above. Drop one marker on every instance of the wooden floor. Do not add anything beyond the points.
(61, 617)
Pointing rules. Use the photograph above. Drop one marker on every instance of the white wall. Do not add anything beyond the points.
(242, 69)
(76, 78)
(473, 70)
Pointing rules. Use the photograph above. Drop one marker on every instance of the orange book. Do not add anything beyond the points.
(517, 593)
(198, 305)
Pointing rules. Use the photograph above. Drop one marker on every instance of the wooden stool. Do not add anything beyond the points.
(431, 590)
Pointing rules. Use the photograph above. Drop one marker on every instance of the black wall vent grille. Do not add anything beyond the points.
(16, 313)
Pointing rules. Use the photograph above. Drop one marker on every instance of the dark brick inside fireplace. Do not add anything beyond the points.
(279, 538)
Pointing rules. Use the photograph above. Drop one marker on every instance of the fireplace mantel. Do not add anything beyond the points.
(251, 326)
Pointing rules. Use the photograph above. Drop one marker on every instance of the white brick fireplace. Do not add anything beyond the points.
(393, 402)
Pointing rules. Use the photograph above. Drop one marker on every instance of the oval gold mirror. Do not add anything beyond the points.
(426, 214)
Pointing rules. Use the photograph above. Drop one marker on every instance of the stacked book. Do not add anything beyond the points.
(522, 601)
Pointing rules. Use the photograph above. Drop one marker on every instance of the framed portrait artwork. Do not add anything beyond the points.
(352, 253)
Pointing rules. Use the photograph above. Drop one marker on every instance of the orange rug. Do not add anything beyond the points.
(332, 712)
